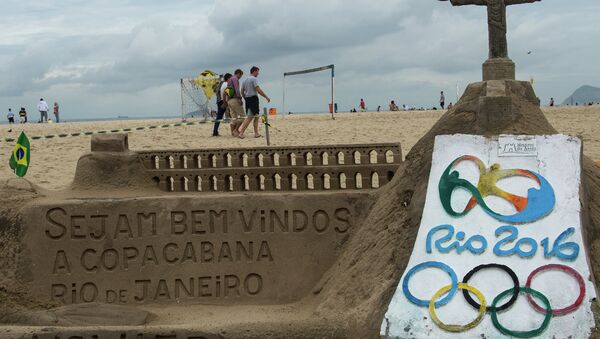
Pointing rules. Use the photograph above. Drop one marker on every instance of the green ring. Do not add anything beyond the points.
(521, 334)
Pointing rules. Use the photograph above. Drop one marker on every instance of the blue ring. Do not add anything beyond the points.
(425, 303)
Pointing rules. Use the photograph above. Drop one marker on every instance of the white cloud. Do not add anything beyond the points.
(104, 57)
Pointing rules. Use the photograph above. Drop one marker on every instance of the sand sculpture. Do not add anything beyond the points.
(138, 248)
(175, 229)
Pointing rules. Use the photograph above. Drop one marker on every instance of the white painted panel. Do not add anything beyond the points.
(557, 160)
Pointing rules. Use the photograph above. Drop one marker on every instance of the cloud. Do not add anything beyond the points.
(101, 57)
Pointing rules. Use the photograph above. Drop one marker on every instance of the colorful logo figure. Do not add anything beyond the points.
(538, 203)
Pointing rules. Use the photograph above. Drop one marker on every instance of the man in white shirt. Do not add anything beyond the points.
(250, 91)
(43, 109)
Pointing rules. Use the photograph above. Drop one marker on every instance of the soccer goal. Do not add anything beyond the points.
(198, 95)
(313, 70)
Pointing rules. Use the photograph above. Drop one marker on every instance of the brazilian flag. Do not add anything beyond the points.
(19, 161)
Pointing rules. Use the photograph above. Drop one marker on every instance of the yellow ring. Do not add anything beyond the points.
(458, 328)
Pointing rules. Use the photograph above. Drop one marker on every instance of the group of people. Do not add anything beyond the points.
(231, 97)
(42, 107)
(393, 107)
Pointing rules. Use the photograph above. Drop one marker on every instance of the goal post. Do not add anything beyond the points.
(313, 70)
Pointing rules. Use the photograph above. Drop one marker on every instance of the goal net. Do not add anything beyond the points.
(198, 98)
(313, 70)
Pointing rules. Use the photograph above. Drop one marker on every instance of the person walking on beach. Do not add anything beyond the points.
(551, 102)
(221, 103)
(362, 105)
(235, 107)
(56, 112)
(250, 91)
(10, 116)
(23, 115)
(43, 109)
(442, 100)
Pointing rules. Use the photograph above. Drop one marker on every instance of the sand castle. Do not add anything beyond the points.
(260, 243)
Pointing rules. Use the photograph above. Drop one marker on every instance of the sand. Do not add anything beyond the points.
(352, 296)
(53, 161)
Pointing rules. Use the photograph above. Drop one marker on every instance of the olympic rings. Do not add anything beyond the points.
(569, 271)
(522, 334)
(450, 291)
(506, 269)
(458, 328)
(436, 264)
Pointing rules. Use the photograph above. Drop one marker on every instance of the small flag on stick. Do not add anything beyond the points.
(19, 160)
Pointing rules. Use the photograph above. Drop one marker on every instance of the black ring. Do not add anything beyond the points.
(506, 269)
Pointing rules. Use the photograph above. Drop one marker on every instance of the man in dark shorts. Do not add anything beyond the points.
(250, 91)
(10, 116)
(442, 100)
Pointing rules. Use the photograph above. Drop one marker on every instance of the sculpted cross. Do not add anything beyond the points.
(496, 22)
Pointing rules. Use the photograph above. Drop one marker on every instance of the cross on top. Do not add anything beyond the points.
(496, 22)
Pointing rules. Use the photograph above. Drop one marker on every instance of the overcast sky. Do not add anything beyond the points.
(104, 58)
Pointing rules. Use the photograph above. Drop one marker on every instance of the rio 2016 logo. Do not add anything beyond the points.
(538, 203)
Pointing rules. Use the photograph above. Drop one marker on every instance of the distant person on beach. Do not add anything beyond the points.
(362, 105)
(442, 100)
(56, 112)
(393, 106)
(450, 105)
(378, 108)
(235, 107)
(551, 102)
(221, 103)
(251, 91)
(10, 116)
(43, 109)
(23, 115)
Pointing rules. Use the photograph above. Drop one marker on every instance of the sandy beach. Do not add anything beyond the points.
(53, 161)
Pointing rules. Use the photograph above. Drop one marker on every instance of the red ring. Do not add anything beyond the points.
(569, 271)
